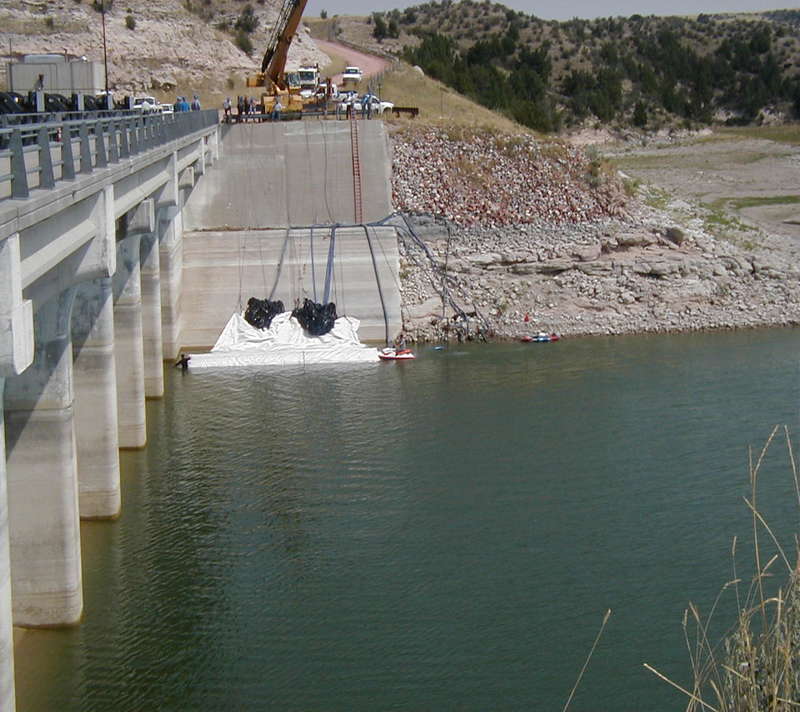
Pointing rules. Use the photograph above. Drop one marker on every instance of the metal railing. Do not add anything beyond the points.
(36, 153)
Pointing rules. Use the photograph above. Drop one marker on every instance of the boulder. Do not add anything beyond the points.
(675, 235)
(595, 269)
(484, 259)
(525, 268)
(554, 266)
(587, 253)
(634, 239)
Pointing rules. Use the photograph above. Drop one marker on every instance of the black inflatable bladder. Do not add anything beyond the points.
(260, 312)
(316, 319)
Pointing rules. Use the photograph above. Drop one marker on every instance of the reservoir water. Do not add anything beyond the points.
(444, 534)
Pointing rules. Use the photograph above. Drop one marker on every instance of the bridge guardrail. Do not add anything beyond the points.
(39, 154)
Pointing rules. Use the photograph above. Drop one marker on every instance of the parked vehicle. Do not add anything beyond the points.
(10, 105)
(146, 104)
(309, 79)
(378, 106)
(57, 102)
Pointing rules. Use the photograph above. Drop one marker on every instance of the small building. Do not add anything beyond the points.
(61, 75)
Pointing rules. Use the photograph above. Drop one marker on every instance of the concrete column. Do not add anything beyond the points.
(16, 354)
(129, 345)
(95, 382)
(171, 262)
(42, 477)
(151, 317)
(7, 701)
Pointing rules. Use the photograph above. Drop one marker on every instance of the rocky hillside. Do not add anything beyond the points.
(529, 236)
(159, 47)
(643, 71)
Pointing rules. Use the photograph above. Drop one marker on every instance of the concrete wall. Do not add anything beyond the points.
(292, 173)
(222, 270)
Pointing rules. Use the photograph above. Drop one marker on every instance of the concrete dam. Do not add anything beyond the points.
(261, 221)
(124, 239)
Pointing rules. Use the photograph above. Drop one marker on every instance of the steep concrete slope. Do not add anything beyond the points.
(272, 176)
(292, 173)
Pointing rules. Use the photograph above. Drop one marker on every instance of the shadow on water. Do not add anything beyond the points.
(441, 534)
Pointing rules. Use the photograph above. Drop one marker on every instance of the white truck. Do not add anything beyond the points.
(351, 75)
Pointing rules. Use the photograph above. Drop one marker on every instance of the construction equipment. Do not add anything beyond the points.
(273, 77)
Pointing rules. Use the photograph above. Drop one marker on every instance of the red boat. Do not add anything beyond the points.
(391, 354)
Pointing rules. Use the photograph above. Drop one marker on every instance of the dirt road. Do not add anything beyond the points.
(368, 63)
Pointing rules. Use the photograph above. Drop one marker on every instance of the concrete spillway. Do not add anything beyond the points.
(271, 176)
(292, 173)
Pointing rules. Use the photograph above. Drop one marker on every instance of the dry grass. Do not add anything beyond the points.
(439, 105)
(757, 666)
(789, 133)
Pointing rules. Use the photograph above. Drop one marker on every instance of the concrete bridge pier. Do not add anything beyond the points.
(16, 354)
(151, 317)
(142, 221)
(95, 383)
(129, 345)
(7, 697)
(42, 477)
(169, 229)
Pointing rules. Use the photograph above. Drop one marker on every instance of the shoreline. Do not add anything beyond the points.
(639, 259)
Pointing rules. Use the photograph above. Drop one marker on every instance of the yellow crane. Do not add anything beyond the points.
(273, 77)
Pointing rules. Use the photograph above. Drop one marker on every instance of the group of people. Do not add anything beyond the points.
(247, 106)
(350, 101)
(181, 104)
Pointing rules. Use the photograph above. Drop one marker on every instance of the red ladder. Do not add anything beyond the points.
(359, 211)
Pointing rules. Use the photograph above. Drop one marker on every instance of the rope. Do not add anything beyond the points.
(280, 265)
(325, 192)
(241, 268)
(313, 270)
(378, 283)
(329, 267)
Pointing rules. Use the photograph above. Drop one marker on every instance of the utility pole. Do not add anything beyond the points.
(105, 54)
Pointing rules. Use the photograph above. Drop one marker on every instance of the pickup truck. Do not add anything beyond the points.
(351, 74)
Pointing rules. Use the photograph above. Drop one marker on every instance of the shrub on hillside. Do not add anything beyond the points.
(244, 43)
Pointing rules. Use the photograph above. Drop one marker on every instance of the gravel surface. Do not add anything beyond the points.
(538, 237)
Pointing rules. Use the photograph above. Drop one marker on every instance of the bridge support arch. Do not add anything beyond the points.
(41, 462)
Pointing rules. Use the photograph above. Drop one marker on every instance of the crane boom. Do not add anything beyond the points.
(274, 62)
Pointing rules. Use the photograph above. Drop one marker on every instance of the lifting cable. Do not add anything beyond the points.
(280, 265)
(323, 124)
(310, 173)
(329, 268)
(241, 266)
(378, 283)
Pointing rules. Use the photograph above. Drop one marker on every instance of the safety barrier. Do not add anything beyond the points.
(40, 154)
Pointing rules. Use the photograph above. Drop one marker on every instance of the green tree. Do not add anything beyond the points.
(640, 114)
(248, 21)
(379, 31)
(243, 43)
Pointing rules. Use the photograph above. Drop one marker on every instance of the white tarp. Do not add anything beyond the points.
(284, 343)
